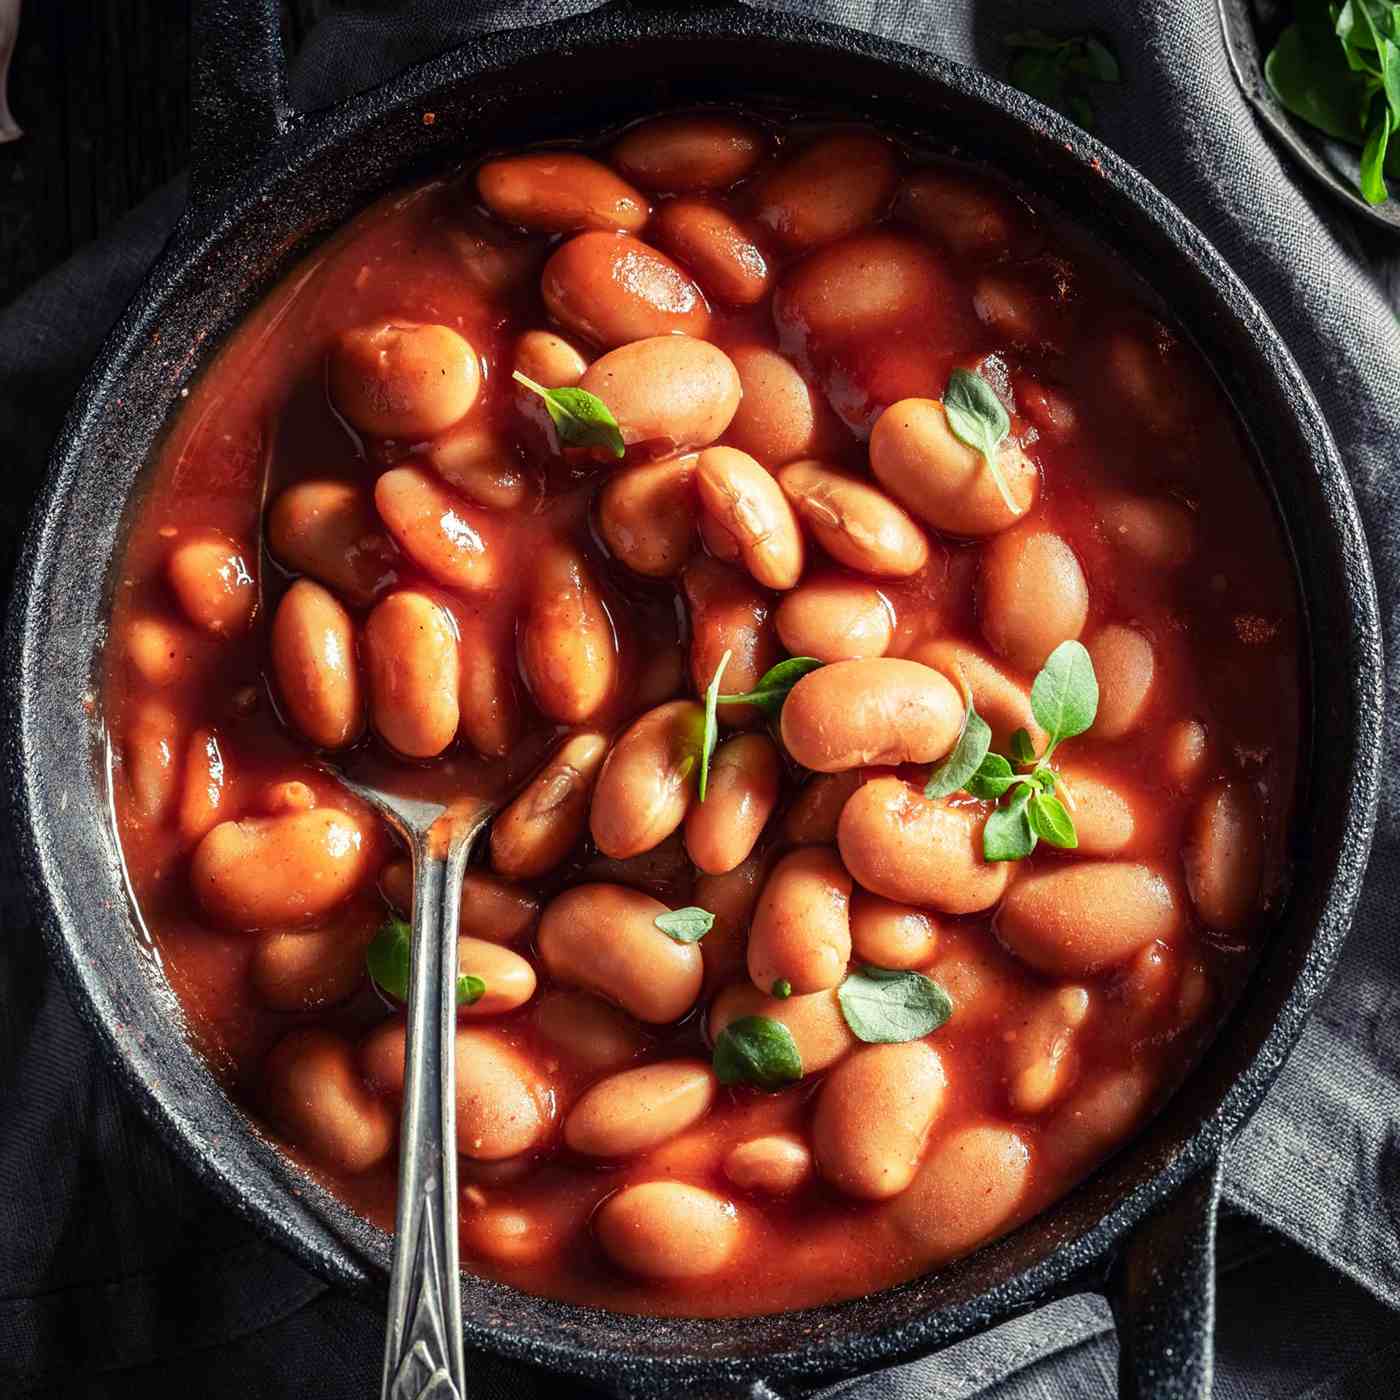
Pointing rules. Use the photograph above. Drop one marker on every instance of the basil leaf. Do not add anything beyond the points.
(1022, 750)
(966, 758)
(976, 416)
(1051, 822)
(1065, 695)
(389, 958)
(883, 1007)
(580, 419)
(1310, 76)
(688, 925)
(1372, 171)
(756, 1050)
(992, 779)
(709, 736)
(773, 686)
(1008, 834)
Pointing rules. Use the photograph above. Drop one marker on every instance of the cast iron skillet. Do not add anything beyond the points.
(267, 181)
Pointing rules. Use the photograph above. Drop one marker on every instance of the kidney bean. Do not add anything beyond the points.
(832, 187)
(818, 1028)
(590, 1034)
(213, 583)
(1125, 667)
(568, 651)
(728, 613)
(546, 821)
(668, 1230)
(1224, 857)
(438, 530)
(685, 153)
(640, 1108)
(1104, 819)
(411, 660)
(613, 289)
(1096, 1118)
(987, 985)
(667, 389)
(940, 479)
(604, 939)
(1033, 595)
(402, 380)
(718, 540)
(509, 979)
(548, 359)
(741, 494)
(474, 460)
(1075, 920)
(207, 786)
(1143, 374)
(874, 1113)
(488, 703)
(724, 259)
(888, 934)
(1040, 1060)
(801, 932)
(1000, 700)
(972, 218)
(898, 843)
(835, 618)
(559, 192)
(856, 524)
(730, 896)
(882, 710)
(491, 909)
(776, 1164)
(290, 869)
(328, 529)
(664, 872)
(815, 812)
(161, 652)
(1157, 531)
(659, 677)
(313, 657)
(1185, 749)
(646, 515)
(780, 417)
(648, 780)
(302, 970)
(742, 792)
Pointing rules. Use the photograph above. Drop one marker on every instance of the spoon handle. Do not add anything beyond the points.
(423, 1349)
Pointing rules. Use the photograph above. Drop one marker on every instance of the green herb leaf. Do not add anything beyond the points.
(709, 736)
(978, 418)
(581, 419)
(1051, 822)
(1054, 71)
(389, 958)
(773, 686)
(1372, 174)
(688, 925)
(756, 1050)
(884, 1007)
(1008, 834)
(992, 779)
(782, 989)
(966, 758)
(1046, 779)
(1022, 750)
(1065, 695)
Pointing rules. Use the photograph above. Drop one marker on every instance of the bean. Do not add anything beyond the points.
(263, 871)
(509, 1234)
(740, 493)
(1000, 700)
(648, 780)
(725, 260)
(592, 1035)
(488, 703)
(885, 933)
(646, 515)
(718, 540)
(780, 417)
(302, 970)
(664, 872)
(1185, 749)
(328, 529)
(683, 153)
(640, 1108)
(315, 1094)
(882, 710)
(874, 1113)
(898, 843)
(667, 389)
(835, 618)
(812, 819)
(402, 380)
(1103, 817)
(161, 652)
(568, 651)
(1224, 857)
(438, 530)
(313, 657)
(728, 613)
(207, 786)
(776, 1164)
(815, 1021)
(1125, 667)
(546, 821)
(549, 359)
(1040, 1061)
(475, 461)
(973, 219)
(1144, 992)
(613, 289)
(412, 664)
(1155, 530)
(856, 524)
(1076, 920)
(659, 677)
(1139, 370)
(493, 261)
(863, 285)
(971, 1186)
(943, 481)
(987, 985)
(559, 192)
(1095, 1119)
(213, 583)
(604, 939)
(1015, 309)
(801, 932)
(491, 909)
(730, 897)
(1033, 596)
(834, 186)
(742, 792)
(668, 1230)
(290, 796)
(509, 979)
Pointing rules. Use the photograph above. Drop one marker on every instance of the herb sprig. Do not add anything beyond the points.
(977, 417)
(1058, 71)
(580, 419)
(389, 957)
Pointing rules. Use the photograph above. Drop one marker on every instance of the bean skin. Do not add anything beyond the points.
(411, 659)
(668, 1230)
(592, 1034)
(818, 1028)
(1000, 699)
(1185, 751)
(559, 192)
(648, 780)
(1224, 857)
(1104, 819)
(547, 820)
(509, 978)
(814, 814)
(548, 359)
(402, 380)
(1126, 667)
(835, 618)
(295, 970)
(888, 934)
(488, 704)
(313, 657)
(683, 153)
(781, 417)
(438, 530)
(731, 898)
(638, 1109)
(163, 652)
(1033, 596)
(974, 220)
(832, 187)
(329, 530)
(742, 792)
(1041, 1059)
(748, 502)
(207, 787)
(213, 583)
(774, 1165)
(801, 932)
(646, 515)
(475, 461)
(726, 262)
(728, 612)
(491, 909)
(1158, 531)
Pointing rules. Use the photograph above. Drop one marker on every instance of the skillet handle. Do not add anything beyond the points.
(1162, 1291)
(238, 91)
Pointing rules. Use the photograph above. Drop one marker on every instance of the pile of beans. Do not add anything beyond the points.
(365, 536)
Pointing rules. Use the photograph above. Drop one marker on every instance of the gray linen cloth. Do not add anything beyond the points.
(119, 1275)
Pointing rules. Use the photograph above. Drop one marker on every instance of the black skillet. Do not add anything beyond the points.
(266, 183)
